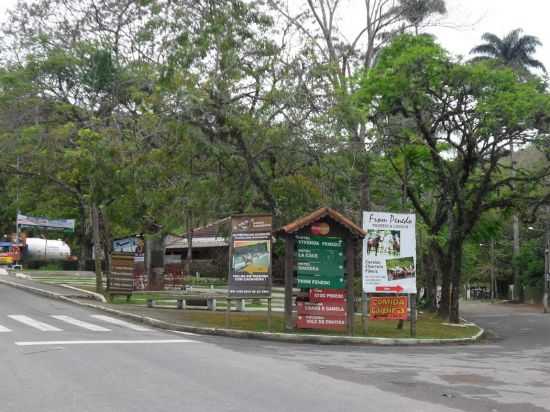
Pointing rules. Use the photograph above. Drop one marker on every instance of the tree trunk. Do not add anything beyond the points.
(445, 302)
(431, 272)
(364, 195)
(97, 249)
(107, 238)
(189, 257)
(455, 254)
(84, 240)
(147, 260)
(518, 293)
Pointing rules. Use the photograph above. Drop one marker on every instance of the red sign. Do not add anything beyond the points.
(396, 289)
(322, 229)
(327, 295)
(321, 322)
(321, 309)
(388, 308)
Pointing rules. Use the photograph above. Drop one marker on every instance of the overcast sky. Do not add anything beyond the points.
(466, 21)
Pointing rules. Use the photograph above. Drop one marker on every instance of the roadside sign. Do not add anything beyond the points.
(389, 253)
(388, 308)
(250, 260)
(320, 261)
(321, 322)
(327, 295)
(321, 309)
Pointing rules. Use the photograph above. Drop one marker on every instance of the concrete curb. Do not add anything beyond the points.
(271, 336)
(96, 296)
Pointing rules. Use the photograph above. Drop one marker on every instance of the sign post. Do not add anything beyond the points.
(320, 248)
(389, 260)
(249, 260)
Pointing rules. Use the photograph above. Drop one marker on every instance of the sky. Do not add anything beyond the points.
(464, 24)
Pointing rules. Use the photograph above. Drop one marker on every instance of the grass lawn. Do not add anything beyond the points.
(427, 326)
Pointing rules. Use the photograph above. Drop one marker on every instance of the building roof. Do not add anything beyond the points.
(177, 242)
(211, 235)
(319, 214)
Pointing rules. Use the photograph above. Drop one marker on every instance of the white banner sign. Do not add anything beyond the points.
(66, 225)
(389, 253)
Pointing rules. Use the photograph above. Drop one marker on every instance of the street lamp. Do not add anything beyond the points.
(546, 263)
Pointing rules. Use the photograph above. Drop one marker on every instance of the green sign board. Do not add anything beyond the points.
(320, 262)
(322, 269)
(319, 242)
(307, 282)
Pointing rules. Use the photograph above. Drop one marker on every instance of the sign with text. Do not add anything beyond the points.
(321, 309)
(389, 253)
(388, 308)
(321, 322)
(327, 295)
(250, 264)
(65, 225)
(320, 262)
(326, 309)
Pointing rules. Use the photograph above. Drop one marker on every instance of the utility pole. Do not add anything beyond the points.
(546, 266)
(515, 243)
(493, 277)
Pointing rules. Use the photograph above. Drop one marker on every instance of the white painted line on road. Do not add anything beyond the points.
(101, 342)
(183, 333)
(80, 323)
(119, 322)
(44, 327)
(4, 329)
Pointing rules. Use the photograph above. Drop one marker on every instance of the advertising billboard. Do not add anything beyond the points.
(389, 253)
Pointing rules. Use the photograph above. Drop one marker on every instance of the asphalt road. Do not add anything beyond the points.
(63, 364)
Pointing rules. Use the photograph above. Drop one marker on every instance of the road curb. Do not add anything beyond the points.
(271, 336)
(93, 295)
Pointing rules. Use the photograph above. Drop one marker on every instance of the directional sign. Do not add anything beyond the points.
(396, 289)
(321, 309)
(327, 295)
(306, 282)
(321, 322)
(320, 262)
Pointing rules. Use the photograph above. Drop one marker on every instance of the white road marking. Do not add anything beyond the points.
(4, 329)
(80, 323)
(44, 327)
(120, 322)
(101, 342)
(183, 333)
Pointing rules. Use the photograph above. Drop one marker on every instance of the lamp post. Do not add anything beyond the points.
(546, 282)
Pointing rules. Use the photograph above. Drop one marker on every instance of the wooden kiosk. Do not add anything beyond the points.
(320, 260)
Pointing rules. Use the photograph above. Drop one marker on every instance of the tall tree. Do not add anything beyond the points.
(331, 60)
(514, 50)
(454, 123)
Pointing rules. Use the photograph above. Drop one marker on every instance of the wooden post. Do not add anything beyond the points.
(365, 313)
(412, 300)
(269, 321)
(350, 271)
(289, 280)
(227, 313)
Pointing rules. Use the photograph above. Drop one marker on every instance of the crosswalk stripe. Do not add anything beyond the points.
(44, 327)
(119, 322)
(4, 329)
(80, 323)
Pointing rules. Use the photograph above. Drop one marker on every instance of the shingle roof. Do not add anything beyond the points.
(318, 215)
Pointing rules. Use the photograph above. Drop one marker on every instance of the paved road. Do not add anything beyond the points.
(59, 357)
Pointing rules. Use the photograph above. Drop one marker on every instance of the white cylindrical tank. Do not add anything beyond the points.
(46, 249)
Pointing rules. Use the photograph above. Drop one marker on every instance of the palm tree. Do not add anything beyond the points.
(513, 50)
